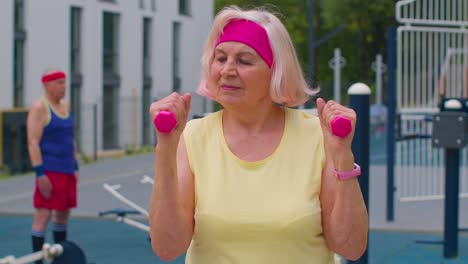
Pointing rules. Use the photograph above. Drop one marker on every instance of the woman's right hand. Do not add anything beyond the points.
(177, 104)
(45, 187)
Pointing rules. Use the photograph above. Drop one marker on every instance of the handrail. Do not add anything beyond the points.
(426, 21)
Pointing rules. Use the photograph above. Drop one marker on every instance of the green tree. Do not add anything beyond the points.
(363, 37)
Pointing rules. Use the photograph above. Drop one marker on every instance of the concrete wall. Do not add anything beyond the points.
(6, 54)
(47, 25)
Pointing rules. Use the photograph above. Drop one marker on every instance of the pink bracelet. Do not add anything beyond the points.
(346, 175)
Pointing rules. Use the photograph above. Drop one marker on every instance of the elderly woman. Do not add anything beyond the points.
(256, 182)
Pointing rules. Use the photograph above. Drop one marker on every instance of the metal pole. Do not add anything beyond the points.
(360, 102)
(95, 131)
(378, 78)
(452, 177)
(391, 114)
(337, 75)
(310, 39)
(135, 118)
(22, 145)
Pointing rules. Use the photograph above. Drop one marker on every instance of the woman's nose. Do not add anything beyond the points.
(228, 68)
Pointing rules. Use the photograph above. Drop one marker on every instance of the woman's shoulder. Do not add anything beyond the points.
(305, 117)
(202, 125)
(304, 124)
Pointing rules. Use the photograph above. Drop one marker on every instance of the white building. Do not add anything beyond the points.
(119, 55)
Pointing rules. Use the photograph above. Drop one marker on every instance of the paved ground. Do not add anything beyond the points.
(107, 241)
(16, 192)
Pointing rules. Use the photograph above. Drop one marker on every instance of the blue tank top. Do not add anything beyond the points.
(57, 146)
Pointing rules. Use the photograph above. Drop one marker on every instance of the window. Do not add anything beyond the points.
(142, 4)
(184, 7)
(147, 80)
(18, 53)
(111, 80)
(147, 46)
(19, 14)
(76, 71)
(176, 81)
(110, 42)
(75, 40)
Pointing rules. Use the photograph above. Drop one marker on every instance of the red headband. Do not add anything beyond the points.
(52, 76)
(251, 34)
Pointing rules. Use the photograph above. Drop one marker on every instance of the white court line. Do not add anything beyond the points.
(147, 179)
(28, 194)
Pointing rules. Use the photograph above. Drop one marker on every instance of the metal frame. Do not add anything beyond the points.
(113, 189)
(427, 12)
(433, 35)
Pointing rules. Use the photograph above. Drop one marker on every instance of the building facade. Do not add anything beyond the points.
(120, 55)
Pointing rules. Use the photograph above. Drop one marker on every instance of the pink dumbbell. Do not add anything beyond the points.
(341, 126)
(165, 121)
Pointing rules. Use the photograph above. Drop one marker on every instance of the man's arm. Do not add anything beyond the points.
(36, 120)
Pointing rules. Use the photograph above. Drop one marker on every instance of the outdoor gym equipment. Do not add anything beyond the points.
(113, 189)
(122, 213)
(65, 252)
(454, 115)
(122, 217)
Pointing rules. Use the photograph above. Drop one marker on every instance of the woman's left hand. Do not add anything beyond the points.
(337, 148)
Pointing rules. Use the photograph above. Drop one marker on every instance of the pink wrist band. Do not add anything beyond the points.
(346, 175)
(165, 121)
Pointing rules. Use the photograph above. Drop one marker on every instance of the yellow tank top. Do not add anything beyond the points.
(266, 211)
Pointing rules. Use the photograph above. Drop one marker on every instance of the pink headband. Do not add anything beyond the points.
(52, 76)
(251, 34)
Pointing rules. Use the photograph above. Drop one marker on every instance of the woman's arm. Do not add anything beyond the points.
(344, 214)
(172, 203)
(171, 208)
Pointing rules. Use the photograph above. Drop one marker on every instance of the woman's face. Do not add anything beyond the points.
(239, 75)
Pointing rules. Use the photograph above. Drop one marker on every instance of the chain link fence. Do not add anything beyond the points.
(121, 124)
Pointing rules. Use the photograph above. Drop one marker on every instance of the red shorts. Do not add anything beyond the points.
(63, 192)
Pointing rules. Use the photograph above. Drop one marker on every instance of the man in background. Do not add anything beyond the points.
(52, 153)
